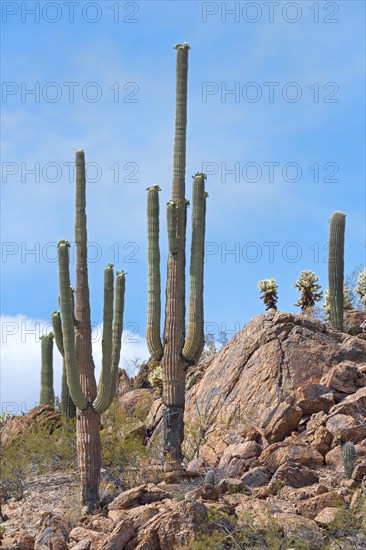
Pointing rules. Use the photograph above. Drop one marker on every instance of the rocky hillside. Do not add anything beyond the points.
(269, 417)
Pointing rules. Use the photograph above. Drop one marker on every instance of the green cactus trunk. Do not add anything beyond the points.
(68, 408)
(336, 268)
(177, 353)
(349, 458)
(77, 345)
(174, 366)
(47, 396)
(154, 287)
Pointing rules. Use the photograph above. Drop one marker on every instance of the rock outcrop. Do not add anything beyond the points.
(270, 414)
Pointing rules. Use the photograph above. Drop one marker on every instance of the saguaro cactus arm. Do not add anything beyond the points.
(179, 162)
(195, 335)
(101, 402)
(67, 405)
(73, 380)
(154, 286)
(57, 331)
(336, 268)
(47, 395)
(117, 330)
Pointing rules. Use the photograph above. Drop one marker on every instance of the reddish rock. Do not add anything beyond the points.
(100, 524)
(124, 383)
(236, 459)
(284, 419)
(86, 536)
(175, 527)
(335, 458)
(344, 379)
(311, 507)
(262, 364)
(346, 428)
(321, 440)
(196, 465)
(230, 485)
(257, 477)
(352, 405)
(313, 398)
(120, 536)
(290, 452)
(53, 534)
(359, 473)
(326, 516)
(295, 475)
(25, 541)
(82, 545)
(355, 322)
(143, 494)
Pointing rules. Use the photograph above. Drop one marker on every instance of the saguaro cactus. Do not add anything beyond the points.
(47, 395)
(349, 458)
(68, 408)
(90, 400)
(336, 268)
(176, 352)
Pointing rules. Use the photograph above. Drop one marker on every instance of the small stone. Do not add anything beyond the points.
(327, 515)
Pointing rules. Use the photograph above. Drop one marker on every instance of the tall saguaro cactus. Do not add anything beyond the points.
(177, 351)
(336, 268)
(67, 405)
(47, 395)
(90, 401)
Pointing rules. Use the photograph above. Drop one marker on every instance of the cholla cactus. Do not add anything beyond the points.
(155, 378)
(268, 288)
(349, 458)
(361, 287)
(347, 303)
(307, 284)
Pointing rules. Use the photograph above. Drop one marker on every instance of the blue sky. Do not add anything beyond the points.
(275, 117)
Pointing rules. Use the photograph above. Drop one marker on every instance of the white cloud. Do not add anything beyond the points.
(21, 359)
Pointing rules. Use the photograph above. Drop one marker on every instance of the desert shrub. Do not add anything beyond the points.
(2, 532)
(36, 451)
(4, 418)
(348, 529)
(125, 457)
(224, 532)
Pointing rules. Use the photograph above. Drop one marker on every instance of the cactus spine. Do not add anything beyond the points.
(47, 396)
(90, 400)
(68, 408)
(349, 458)
(176, 352)
(336, 268)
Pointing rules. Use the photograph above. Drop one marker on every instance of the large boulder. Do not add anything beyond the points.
(236, 459)
(290, 451)
(261, 366)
